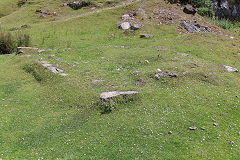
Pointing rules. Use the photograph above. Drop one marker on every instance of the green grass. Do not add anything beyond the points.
(59, 117)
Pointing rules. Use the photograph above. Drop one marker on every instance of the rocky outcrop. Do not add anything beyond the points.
(226, 9)
(194, 26)
(79, 4)
(129, 21)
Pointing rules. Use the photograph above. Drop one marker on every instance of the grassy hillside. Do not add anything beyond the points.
(45, 116)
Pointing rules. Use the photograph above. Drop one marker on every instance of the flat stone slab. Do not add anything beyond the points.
(21, 50)
(110, 95)
(230, 69)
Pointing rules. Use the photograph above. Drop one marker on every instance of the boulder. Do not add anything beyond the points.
(110, 95)
(189, 9)
(125, 25)
(230, 69)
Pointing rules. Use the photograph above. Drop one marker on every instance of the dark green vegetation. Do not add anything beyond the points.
(45, 116)
(10, 42)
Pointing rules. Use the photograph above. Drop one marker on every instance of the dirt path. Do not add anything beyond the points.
(125, 3)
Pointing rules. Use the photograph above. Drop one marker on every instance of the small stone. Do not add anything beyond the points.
(185, 55)
(146, 36)
(159, 70)
(185, 73)
(215, 124)
(230, 69)
(126, 17)
(203, 128)
(59, 59)
(97, 80)
(136, 72)
(238, 132)
(231, 142)
(170, 132)
(3, 99)
(63, 74)
(41, 50)
(147, 61)
(51, 56)
(193, 128)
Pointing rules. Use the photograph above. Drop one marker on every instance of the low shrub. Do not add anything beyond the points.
(10, 42)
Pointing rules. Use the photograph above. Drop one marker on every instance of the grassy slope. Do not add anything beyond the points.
(57, 118)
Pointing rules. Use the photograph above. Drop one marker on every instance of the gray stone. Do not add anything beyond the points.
(110, 95)
(79, 4)
(165, 74)
(215, 124)
(26, 49)
(59, 59)
(63, 74)
(230, 69)
(125, 25)
(146, 36)
(193, 128)
(126, 17)
(189, 27)
(136, 72)
(97, 80)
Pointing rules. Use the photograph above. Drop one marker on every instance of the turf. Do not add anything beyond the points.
(45, 116)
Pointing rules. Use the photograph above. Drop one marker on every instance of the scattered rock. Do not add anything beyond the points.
(128, 21)
(126, 17)
(238, 132)
(51, 56)
(165, 74)
(41, 50)
(70, 65)
(203, 128)
(170, 132)
(125, 25)
(110, 95)
(230, 69)
(136, 72)
(185, 73)
(63, 74)
(59, 60)
(189, 9)
(51, 68)
(194, 26)
(231, 142)
(184, 54)
(146, 36)
(26, 26)
(26, 49)
(165, 16)
(215, 124)
(161, 48)
(193, 128)
(79, 4)
(97, 80)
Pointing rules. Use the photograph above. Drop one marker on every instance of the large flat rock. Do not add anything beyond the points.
(110, 95)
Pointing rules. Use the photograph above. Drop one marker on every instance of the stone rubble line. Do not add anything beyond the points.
(55, 70)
